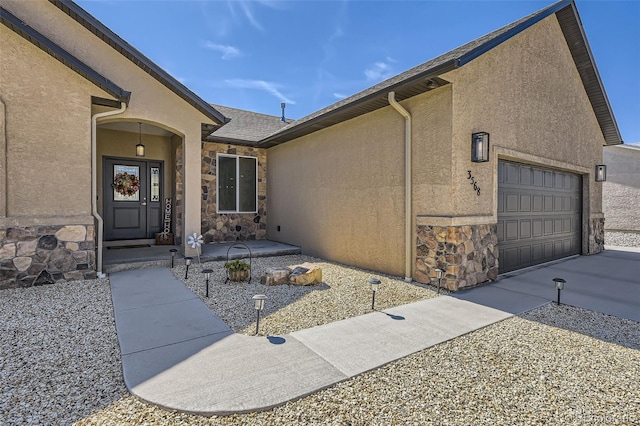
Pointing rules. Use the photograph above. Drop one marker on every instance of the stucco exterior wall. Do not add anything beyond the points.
(621, 191)
(339, 192)
(528, 95)
(172, 113)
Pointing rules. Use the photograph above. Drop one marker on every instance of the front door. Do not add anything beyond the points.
(132, 198)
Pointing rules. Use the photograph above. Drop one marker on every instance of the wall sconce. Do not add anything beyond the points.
(601, 173)
(480, 147)
(207, 273)
(559, 282)
(139, 146)
(375, 284)
(258, 304)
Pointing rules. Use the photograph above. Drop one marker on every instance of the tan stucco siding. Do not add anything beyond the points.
(114, 143)
(621, 198)
(339, 192)
(151, 101)
(48, 132)
(528, 95)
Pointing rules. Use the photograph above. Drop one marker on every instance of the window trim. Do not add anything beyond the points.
(237, 177)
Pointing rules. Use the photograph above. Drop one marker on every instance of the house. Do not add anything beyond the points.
(480, 161)
(621, 195)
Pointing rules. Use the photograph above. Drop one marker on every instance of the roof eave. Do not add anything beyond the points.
(112, 39)
(48, 46)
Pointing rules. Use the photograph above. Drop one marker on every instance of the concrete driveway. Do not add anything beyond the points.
(608, 282)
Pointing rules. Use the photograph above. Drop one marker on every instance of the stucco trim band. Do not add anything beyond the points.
(21, 221)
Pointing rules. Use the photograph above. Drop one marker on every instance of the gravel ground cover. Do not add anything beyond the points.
(622, 239)
(59, 364)
(344, 293)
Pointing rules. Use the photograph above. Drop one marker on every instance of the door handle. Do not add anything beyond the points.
(144, 203)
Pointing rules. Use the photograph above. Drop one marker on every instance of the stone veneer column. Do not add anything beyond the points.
(37, 255)
(468, 254)
(596, 235)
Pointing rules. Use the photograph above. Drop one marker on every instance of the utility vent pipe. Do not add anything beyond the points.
(283, 105)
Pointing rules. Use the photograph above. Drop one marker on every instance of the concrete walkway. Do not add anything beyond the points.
(177, 354)
(608, 282)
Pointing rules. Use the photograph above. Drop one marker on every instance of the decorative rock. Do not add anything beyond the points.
(72, 246)
(22, 263)
(8, 251)
(276, 276)
(72, 233)
(44, 278)
(306, 274)
(61, 260)
(27, 248)
(73, 275)
(47, 242)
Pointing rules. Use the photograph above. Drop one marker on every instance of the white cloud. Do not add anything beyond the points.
(269, 87)
(339, 95)
(228, 52)
(378, 71)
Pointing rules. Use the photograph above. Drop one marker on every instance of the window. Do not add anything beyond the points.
(237, 184)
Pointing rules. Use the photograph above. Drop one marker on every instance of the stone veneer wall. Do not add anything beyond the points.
(231, 227)
(468, 254)
(38, 255)
(596, 235)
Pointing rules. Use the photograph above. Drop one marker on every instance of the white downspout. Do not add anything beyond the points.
(408, 238)
(94, 182)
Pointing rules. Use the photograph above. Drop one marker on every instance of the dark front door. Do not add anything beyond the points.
(132, 198)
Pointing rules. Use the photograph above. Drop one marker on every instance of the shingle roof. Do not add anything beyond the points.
(424, 77)
(245, 127)
(85, 19)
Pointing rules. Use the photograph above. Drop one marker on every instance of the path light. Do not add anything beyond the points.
(439, 274)
(375, 284)
(173, 256)
(187, 261)
(206, 273)
(559, 285)
(259, 305)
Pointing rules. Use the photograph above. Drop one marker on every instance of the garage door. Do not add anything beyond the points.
(539, 215)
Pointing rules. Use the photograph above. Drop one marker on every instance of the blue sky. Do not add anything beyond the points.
(255, 54)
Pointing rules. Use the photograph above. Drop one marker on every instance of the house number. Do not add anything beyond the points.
(473, 182)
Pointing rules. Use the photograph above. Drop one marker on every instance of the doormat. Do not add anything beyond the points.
(128, 247)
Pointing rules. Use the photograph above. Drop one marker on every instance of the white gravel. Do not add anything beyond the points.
(622, 239)
(59, 364)
(344, 293)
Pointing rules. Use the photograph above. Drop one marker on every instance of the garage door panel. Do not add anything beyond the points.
(539, 215)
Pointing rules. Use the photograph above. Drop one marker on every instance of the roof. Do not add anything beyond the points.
(424, 77)
(48, 46)
(112, 39)
(245, 126)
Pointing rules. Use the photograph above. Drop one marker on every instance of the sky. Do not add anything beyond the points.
(253, 55)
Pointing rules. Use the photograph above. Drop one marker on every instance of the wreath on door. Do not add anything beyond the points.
(126, 184)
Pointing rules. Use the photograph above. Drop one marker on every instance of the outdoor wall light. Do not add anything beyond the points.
(258, 300)
(439, 275)
(559, 282)
(139, 146)
(480, 147)
(187, 261)
(375, 285)
(173, 255)
(601, 173)
(207, 273)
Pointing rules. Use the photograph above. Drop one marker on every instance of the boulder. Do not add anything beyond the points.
(306, 274)
(276, 276)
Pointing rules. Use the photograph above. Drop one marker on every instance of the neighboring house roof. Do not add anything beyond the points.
(125, 49)
(422, 78)
(15, 24)
(245, 126)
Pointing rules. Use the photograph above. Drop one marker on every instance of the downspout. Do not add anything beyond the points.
(94, 182)
(408, 239)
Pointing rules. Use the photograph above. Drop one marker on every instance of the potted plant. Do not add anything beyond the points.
(237, 270)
